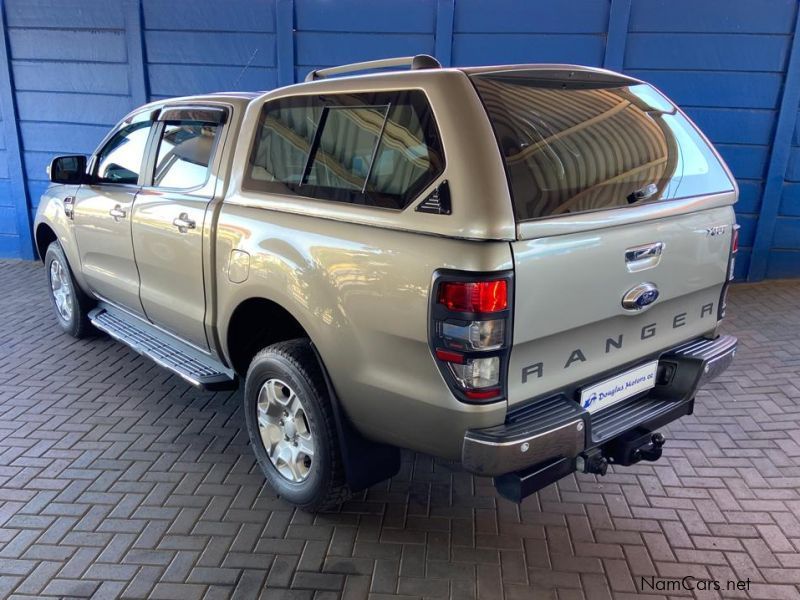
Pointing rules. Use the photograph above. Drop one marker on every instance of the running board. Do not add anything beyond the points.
(182, 359)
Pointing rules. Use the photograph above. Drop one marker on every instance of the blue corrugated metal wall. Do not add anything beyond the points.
(69, 69)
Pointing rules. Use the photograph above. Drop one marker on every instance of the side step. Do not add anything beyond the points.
(182, 359)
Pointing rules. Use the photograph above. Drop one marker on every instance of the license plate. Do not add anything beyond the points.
(617, 388)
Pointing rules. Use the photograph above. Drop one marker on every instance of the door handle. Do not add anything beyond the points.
(184, 223)
(117, 213)
(643, 257)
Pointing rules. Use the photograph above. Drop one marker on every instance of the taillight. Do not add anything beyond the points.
(723, 297)
(474, 296)
(734, 250)
(470, 333)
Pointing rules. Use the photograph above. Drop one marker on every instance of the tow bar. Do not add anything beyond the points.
(628, 449)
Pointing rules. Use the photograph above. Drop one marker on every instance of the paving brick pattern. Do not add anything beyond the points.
(119, 480)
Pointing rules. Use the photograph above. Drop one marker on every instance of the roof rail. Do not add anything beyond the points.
(420, 61)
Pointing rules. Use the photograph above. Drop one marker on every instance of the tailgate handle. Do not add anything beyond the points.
(643, 257)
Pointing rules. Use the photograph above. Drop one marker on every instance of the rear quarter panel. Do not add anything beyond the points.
(361, 293)
(357, 278)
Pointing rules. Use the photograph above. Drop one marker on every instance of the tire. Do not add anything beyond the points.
(70, 304)
(282, 434)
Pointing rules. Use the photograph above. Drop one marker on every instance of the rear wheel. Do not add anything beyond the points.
(291, 428)
(70, 304)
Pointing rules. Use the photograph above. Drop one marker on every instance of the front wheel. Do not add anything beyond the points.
(70, 303)
(291, 426)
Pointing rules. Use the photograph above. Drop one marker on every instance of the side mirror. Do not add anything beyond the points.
(68, 169)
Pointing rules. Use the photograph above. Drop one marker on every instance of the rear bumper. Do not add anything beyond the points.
(556, 428)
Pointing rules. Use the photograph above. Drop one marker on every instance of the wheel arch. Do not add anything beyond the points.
(51, 224)
(44, 236)
(366, 462)
(256, 323)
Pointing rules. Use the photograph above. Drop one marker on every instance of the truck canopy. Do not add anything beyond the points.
(578, 141)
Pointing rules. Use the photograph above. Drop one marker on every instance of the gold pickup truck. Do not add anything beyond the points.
(522, 268)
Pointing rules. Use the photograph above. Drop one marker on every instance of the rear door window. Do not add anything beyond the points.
(578, 147)
(346, 146)
(376, 149)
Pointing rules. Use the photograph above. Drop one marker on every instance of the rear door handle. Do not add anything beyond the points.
(184, 223)
(117, 213)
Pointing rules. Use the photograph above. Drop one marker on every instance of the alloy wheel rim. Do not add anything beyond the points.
(61, 290)
(285, 431)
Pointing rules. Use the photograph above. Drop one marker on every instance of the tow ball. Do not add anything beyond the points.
(628, 449)
(652, 451)
(634, 446)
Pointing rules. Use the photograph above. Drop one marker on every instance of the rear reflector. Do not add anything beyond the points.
(735, 241)
(483, 394)
(474, 296)
(448, 356)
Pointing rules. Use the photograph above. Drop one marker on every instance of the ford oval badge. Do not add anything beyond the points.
(640, 297)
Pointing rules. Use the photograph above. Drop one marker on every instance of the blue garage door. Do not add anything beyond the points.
(72, 68)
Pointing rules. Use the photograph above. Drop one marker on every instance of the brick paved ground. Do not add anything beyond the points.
(117, 479)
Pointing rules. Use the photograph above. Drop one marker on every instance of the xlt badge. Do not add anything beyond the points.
(716, 230)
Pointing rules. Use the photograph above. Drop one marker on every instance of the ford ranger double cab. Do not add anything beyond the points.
(520, 268)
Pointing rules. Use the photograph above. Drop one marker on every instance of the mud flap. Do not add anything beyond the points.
(365, 462)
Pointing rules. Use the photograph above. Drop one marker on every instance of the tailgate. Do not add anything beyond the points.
(569, 322)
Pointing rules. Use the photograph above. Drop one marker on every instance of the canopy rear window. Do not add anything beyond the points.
(584, 146)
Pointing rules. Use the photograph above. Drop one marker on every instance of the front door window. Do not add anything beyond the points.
(120, 161)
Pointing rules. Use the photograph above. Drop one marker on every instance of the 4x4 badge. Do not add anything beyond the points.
(639, 297)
